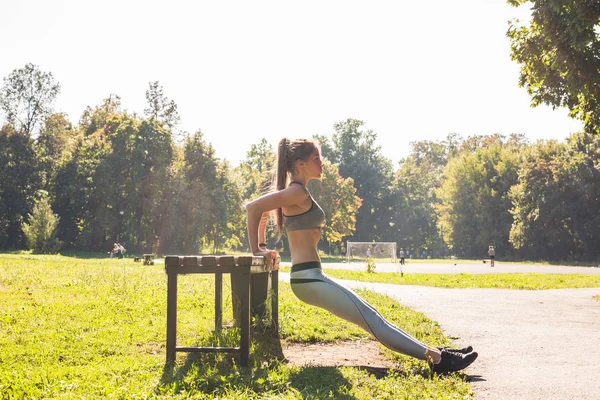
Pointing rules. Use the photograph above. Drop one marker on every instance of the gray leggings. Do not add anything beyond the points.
(311, 286)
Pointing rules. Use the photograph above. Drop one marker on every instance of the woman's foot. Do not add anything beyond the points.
(452, 362)
(464, 350)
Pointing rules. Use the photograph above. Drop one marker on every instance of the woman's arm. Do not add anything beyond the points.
(256, 209)
(262, 227)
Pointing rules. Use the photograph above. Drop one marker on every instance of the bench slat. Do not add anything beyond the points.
(208, 349)
(223, 261)
(227, 261)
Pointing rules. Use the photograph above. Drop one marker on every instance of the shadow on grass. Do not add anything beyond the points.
(268, 372)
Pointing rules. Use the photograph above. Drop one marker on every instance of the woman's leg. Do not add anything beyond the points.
(314, 288)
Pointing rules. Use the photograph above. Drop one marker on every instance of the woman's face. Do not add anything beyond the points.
(313, 167)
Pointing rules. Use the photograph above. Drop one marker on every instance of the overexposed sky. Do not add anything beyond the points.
(243, 70)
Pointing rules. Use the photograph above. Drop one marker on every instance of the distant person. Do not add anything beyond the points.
(401, 254)
(113, 250)
(492, 254)
(120, 250)
(297, 213)
(368, 252)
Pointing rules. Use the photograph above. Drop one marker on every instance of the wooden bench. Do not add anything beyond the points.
(242, 269)
(149, 259)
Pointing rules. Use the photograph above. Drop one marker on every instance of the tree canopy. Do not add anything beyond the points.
(119, 176)
(559, 55)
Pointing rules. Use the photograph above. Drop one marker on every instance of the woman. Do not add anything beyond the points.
(299, 161)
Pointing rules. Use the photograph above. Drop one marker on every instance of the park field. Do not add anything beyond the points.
(95, 328)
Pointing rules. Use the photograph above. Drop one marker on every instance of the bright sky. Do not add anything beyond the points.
(243, 70)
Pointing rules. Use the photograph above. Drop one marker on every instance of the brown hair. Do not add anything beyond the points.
(288, 152)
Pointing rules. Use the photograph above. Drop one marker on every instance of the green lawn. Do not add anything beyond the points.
(95, 328)
(530, 281)
(325, 258)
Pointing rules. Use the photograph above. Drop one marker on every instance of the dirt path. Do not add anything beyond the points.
(531, 344)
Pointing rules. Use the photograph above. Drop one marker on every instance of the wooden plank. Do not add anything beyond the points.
(275, 301)
(210, 270)
(218, 301)
(258, 269)
(208, 349)
(172, 261)
(244, 261)
(245, 320)
(208, 261)
(227, 261)
(190, 261)
(171, 316)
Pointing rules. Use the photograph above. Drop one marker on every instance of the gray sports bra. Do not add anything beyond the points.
(311, 219)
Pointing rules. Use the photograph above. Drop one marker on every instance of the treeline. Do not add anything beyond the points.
(118, 176)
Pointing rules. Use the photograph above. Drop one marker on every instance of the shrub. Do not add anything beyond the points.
(40, 232)
(370, 265)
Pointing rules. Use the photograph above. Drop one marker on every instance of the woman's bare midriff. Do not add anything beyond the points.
(303, 245)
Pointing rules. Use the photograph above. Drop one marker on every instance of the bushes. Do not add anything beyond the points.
(40, 232)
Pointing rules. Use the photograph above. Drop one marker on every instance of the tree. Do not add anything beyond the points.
(95, 119)
(160, 108)
(556, 201)
(228, 227)
(336, 195)
(559, 54)
(360, 159)
(54, 146)
(196, 208)
(415, 220)
(327, 149)
(257, 169)
(473, 199)
(27, 97)
(19, 182)
(40, 231)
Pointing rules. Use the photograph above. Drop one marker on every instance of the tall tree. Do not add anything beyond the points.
(27, 97)
(195, 209)
(54, 146)
(228, 228)
(160, 108)
(559, 54)
(360, 159)
(473, 199)
(19, 182)
(556, 201)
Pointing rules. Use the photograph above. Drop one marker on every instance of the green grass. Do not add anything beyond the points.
(95, 328)
(326, 258)
(528, 281)
(597, 297)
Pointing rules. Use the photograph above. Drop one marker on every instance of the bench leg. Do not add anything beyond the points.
(275, 301)
(171, 316)
(218, 301)
(245, 319)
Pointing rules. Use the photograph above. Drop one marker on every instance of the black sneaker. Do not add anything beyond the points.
(464, 350)
(452, 362)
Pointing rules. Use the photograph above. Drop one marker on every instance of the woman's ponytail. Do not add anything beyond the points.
(282, 176)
